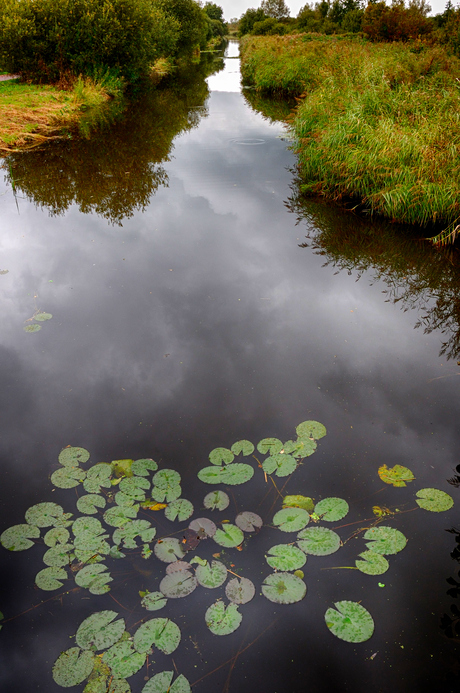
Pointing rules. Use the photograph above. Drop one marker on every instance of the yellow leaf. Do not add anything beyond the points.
(156, 506)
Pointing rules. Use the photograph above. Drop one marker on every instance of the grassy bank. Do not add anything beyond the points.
(377, 124)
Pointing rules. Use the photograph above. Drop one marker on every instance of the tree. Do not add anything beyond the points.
(275, 8)
(248, 19)
(192, 20)
(214, 11)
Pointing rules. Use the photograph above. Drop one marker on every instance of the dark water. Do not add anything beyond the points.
(188, 314)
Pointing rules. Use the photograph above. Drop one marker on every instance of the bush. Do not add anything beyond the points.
(192, 21)
(248, 19)
(268, 27)
(396, 23)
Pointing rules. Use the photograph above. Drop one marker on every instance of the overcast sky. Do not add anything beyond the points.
(235, 8)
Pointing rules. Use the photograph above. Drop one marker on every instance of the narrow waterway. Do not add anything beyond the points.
(196, 302)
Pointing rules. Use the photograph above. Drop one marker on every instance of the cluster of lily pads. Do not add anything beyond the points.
(40, 317)
(117, 492)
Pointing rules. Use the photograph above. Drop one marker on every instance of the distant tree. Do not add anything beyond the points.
(268, 27)
(275, 8)
(214, 11)
(248, 19)
(192, 20)
(396, 23)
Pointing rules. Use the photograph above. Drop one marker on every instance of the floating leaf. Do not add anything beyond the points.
(216, 500)
(97, 477)
(222, 620)
(153, 601)
(221, 456)
(242, 446)
(351, 622)
(57, 535)
(230, 535)
(397, 475)
(83, 525)
(72, 457)
(434, 500)
(94, 578)
(385, 540)
(161, 683)
(300, 448)
(50, 578)
(122, 467)
(285, 557)
(135, 487)
(236, 473)
(284, 588)
(179, 509)
(135, 528)
(99, 631)
(41, 317)
(168, 495)
(161, 632)
(32, 328)
(271, 445)
(291, 519)
(240, 591)
(117, 686)
(68, 477)
(168, 550)
(211, 576)
(203, 526)
(46, 515)
(311, 429)
(166, 478)
(318, 541)
(372, 563)
(17, 537)
(58, 556)
(90, 503)
(178, 584)
(127, 501)
(280, 463)
(143, 467)
(123, 660)
(177, 566)
(332, 509)
(248, 521)
(299, 502)
(72, 667)
(120, 515)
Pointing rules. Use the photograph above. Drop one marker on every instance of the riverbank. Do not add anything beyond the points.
(376, 125)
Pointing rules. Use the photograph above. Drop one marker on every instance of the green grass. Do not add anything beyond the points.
(377, 123)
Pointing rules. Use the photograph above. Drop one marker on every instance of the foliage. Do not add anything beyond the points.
(396, 22)
(268, 27)
(350, 621)
(192, 21)
(248, 19)
(397, 475)
(275, 8)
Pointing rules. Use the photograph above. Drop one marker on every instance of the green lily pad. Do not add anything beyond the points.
(203, 526)
(299, 502)
(56, 535)
(161, 683)
(311, 429)
(83, 525)
(17, 537)
(90, 503)
(97, 477)
(285, 557)
(166, 478)
(41, 317)
(434, 500)
(229, 536)
(284, 588)
(180, 509)
(49, 579)
(351, 622)
(72, 457)
(242, 446)
(211, 576)
(248, 521)
(178, 584)
(332, 509)
(220, 456)
(318, 541)
(32, 328)
(100, 631)
(169, 550)
(68, 477)
(162, 633)
(153, 601)
(240, 590)
(123, 660)
(221, 619)
(123, 500)
(161, 495)
(95, 578)
(122, 468)
(397, 475)
(237, 473)
(135, 487)
(117, 686)
(300, 448)
(117, 516)
(46, 515)
(269, 445)
(72, 667)
(143, 467)
(385, 540)
(216, 500)
(58, 556)
(280, 463)
(291, 519)
(372, 563)
(130, 530)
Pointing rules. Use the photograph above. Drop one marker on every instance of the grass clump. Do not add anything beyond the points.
(376, 123)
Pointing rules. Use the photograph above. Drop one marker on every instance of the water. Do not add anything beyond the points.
(188, 314)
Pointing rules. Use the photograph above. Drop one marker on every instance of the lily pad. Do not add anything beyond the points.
(170, 494)
(135, 487)
(385, 540)
(83, 525)
(248, 521)
(90, 503)
(143, 467)
(68, 477)
(221, 619)
(300, 448)
(240, 590)
(434, 500)
(117, 516)
(17, 537)
(169, 550)
(311, 429)
(97, 477)
(269, 445)
(49, 579)
(56, 535)
(350, 621)
(211, 576)
(299, 502)
(41, 317)
(291, 519)
(46, 515)
(237, 473)
(216, 500)
(229, 536)
(129, 531)
(284, 588)
(397, 475)
(203, 526)
(220, 456)
(123, 660)
(285, 557)
(161, 683)
(32, 328)
(243, 446)
(177, 566)
(72, 667)
(372, 563)
(280, 463)
(122, 468)
(95, 578)
(125, 501)
(72, 456)
(332, 509)
(166, 478)
(179, 584)
(318, 541)
(163, 633)
(153, 601)
(58, 556)
(100, 631)
(180, 509)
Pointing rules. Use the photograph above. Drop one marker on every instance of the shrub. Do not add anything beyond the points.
(268, 27)
(193, 23)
